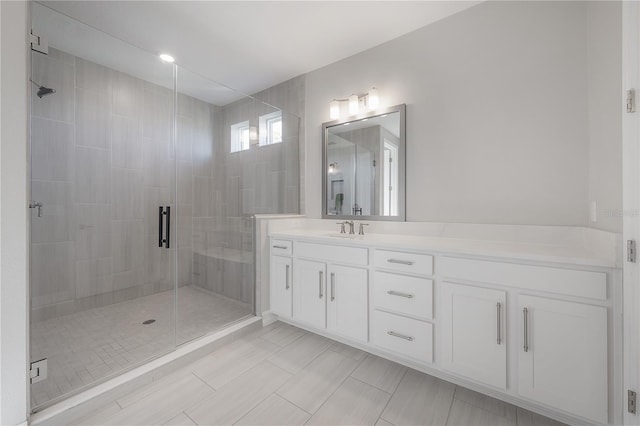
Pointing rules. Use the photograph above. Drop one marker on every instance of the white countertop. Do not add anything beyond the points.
(578, 255)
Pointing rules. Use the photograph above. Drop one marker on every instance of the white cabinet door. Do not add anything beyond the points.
(280, 286)
(562, 358)
(348, 302)
(473, 333)
(309, 292)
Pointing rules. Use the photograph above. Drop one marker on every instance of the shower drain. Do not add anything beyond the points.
(149, 321)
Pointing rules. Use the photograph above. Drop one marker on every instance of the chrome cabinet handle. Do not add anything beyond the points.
(280, 247)
(400, 261)
(499, 313)
(398, 293)
(287, 286)
(401, 336)
(320, 284)
(333, 286)
(525, 311)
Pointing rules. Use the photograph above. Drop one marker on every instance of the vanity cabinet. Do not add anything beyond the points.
(403, 304)
(309, 303)
(473, 333)
(280, 275)
(348, 302)
(534, 332)
(331, 296)
(562, 355)
(281, 293)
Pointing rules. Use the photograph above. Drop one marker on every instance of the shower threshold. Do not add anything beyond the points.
(87, 400)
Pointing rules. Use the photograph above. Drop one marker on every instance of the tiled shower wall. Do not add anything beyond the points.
(262, 179)
(102, 164)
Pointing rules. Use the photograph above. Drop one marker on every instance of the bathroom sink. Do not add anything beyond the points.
(346, 236)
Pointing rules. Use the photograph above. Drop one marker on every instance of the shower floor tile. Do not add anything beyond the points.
(92, 345)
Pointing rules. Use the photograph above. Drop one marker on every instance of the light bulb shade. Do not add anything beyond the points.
(374, 99)
(334, 109)
(353, 104)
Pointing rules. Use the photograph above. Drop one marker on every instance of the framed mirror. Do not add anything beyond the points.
(363, 161)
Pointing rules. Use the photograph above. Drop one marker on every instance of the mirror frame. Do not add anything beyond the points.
(401, 108)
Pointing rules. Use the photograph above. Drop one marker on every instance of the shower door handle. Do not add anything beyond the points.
(160, 225)
(167, 239)
(164, 226)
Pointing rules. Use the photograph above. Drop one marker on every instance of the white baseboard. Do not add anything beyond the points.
(268, 318)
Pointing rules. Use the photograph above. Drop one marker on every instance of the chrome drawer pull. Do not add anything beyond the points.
(525, 311)
(320, 284)
(280, 247)
(400, 261)
(397, 293)
(287, 278)
(401, 336)
(333, 286)
(499, 313)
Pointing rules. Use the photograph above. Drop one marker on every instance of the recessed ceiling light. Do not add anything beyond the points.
(167, 58)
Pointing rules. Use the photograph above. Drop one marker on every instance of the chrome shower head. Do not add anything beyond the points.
(44, 91)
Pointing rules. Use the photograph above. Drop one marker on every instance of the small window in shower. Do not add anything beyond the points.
(240, 136)
(271, 128)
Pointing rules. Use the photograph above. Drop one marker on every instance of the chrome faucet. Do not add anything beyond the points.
(361, 229)
(351, 224)
(342, 230)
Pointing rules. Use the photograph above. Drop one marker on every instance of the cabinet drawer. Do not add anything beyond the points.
(331, 253)
(403, 294)
(404, 336)
(571, 282)
(281, 247)
(404, 262)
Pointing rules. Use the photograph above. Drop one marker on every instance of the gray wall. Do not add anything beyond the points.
(506, 122)
(13, 219)
(604, 76)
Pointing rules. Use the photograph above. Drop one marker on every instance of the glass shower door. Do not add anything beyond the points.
(102, 278)
(215, 252)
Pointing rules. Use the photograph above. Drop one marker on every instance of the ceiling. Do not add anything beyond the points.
(248, 45)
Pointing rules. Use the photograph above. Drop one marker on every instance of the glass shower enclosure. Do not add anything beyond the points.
(144, 181)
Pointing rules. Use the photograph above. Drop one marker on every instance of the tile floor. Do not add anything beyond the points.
(87, 346)
(282, 375)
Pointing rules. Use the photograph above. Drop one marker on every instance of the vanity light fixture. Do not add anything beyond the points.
(374, 99)
(333, 167)
(334, 109)
(370, 100)
(353, 104)
(167, 58)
